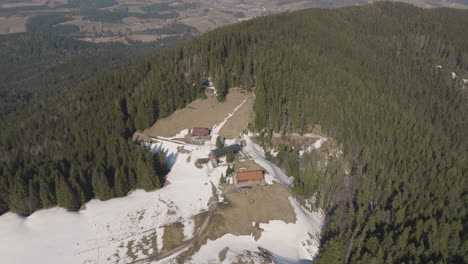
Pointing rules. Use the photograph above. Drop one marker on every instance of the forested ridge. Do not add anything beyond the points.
(369, 77)
(37, 68)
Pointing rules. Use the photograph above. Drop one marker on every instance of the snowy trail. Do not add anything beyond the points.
(274, 172)
(217, 128)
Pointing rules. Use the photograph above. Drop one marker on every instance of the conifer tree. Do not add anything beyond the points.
(229, 157)
(219, 143)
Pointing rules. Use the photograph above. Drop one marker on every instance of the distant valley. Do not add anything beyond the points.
(151, 20)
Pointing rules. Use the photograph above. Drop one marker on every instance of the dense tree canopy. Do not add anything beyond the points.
(369, 77)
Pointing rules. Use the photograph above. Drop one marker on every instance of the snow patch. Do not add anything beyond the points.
(189, 228)
(182, 133)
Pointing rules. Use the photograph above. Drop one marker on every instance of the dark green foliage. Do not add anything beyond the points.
(229, 157)
(88, 4)
(365, 74)
(105, 16)
(70, 150)
(67, 197)
(219, 143)
(222, 179)
(38, 68)
(171, 29)
(229, 170)
(159, 7)
(15, 10)
(221, 85)
(48, 23)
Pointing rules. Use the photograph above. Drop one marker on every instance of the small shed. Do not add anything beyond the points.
(249, 176)
(219, 152)
(200, 131)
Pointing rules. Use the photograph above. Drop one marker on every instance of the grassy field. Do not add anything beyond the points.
(199, 113)
(239, 121)
(246, 165)
(260, 204)
(173, 236)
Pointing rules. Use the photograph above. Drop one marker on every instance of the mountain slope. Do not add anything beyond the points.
(37, 68)
(378, 79)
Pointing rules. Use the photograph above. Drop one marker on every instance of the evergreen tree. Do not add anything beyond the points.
(66, 196)
(229, 157)
(222, 180)
(219, 143)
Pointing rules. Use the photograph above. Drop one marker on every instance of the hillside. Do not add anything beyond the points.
(384, 81)
(150, 20)
(37, 68)
(189, 220)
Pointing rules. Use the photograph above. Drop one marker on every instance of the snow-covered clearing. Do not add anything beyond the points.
(130, 228)
(102, 231)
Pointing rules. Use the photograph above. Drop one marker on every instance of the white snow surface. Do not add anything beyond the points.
(101, 232)
(287, 243)
(317, 144)
(274, 173)
(95, 234)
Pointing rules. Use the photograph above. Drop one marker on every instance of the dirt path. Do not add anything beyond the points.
(239, 121)
(185, 244)
(137, 135)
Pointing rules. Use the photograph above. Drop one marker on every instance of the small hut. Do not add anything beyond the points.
(200, 131)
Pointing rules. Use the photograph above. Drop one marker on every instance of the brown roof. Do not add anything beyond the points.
(254, 175)
(200, 131)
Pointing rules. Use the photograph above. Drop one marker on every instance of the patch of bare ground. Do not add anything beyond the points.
(199, 113)
(166, 183)
(199, 219)
(147, 245)
(13, 24)
(28, 3)
(239, 121)
(140, 137)
(130, 252)
(222, 254)
(260, 204)
(293, 139)
(201, 23)
(182, 150)
(189, 140)
(173, 236)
